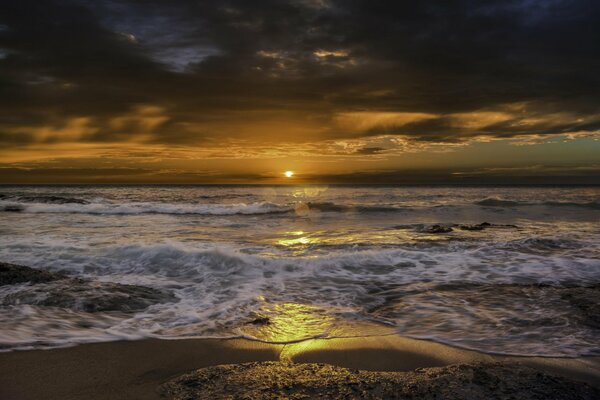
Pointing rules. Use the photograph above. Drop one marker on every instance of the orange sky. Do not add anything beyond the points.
(339, 92)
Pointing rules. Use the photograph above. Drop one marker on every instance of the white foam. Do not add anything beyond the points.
(341, 261)
(148, 208)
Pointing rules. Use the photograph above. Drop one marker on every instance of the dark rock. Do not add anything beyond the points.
(11, 274)
(438, 229)
(586, 300)
(482, 226)
(260, 321)
(275, 380)
(82, 295)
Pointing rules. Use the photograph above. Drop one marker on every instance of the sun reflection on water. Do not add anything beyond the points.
(289, 322)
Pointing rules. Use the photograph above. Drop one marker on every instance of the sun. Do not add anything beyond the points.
(288, 174)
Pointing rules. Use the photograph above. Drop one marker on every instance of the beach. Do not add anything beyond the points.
(137, 369)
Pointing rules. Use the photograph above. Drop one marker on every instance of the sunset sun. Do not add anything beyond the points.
(288, 174)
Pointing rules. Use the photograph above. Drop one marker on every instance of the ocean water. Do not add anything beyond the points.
(511, 270)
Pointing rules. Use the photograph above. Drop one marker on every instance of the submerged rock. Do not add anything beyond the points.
(586, 300)
(438, 229)
(260, 321)
(478, 227)
(484, 225)
(276, 380)
(52, 289)
(81, 295)
(11, 274)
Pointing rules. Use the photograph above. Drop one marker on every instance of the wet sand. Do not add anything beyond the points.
(137, 369)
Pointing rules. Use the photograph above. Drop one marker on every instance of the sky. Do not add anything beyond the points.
(338, 91)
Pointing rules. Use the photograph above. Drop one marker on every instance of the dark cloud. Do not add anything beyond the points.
(35, 173)
(536, 174)
(204, 72)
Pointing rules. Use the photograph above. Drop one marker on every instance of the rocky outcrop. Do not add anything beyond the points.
(276, 380)
(50, 289)
(12, 274)
(81, 295)
(438, 229)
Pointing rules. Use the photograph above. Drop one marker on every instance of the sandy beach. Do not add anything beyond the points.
(137, 369)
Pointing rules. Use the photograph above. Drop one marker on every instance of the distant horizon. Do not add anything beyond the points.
(549, 185)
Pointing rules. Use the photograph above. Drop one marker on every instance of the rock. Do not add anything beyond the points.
(438, 229)
(52, 289)
(483, 225)
(11, 274)
(276, 380)
(82, 295)
(586, 300)
(260, 321)
(478, 227)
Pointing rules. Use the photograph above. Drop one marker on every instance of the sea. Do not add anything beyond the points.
(497, 269)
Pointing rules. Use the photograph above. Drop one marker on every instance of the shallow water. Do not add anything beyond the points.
(285, 263)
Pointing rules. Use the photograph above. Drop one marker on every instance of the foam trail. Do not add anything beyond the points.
(148, 208)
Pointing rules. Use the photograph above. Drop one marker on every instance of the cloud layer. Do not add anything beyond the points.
(297, 78)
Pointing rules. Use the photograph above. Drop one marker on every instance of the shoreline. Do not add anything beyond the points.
(136, 369)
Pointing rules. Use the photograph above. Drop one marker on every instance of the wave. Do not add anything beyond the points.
(497, 202)
(78, 206)
(333, 207)
(179, 260)
(222, 290)
(594, 205)
(146, 208)
(67, 205)
(45, 199)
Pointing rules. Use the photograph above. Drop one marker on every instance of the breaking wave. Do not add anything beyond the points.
(411, 291)
(493, 269)
(45, 199)
(78, 206)
(145, 208)
(333, 207)
(75, 205)
(497, 202)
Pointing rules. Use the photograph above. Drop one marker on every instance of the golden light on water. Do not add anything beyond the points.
(288, 322)
(288, 174)
(297, 238)
(291, 322)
